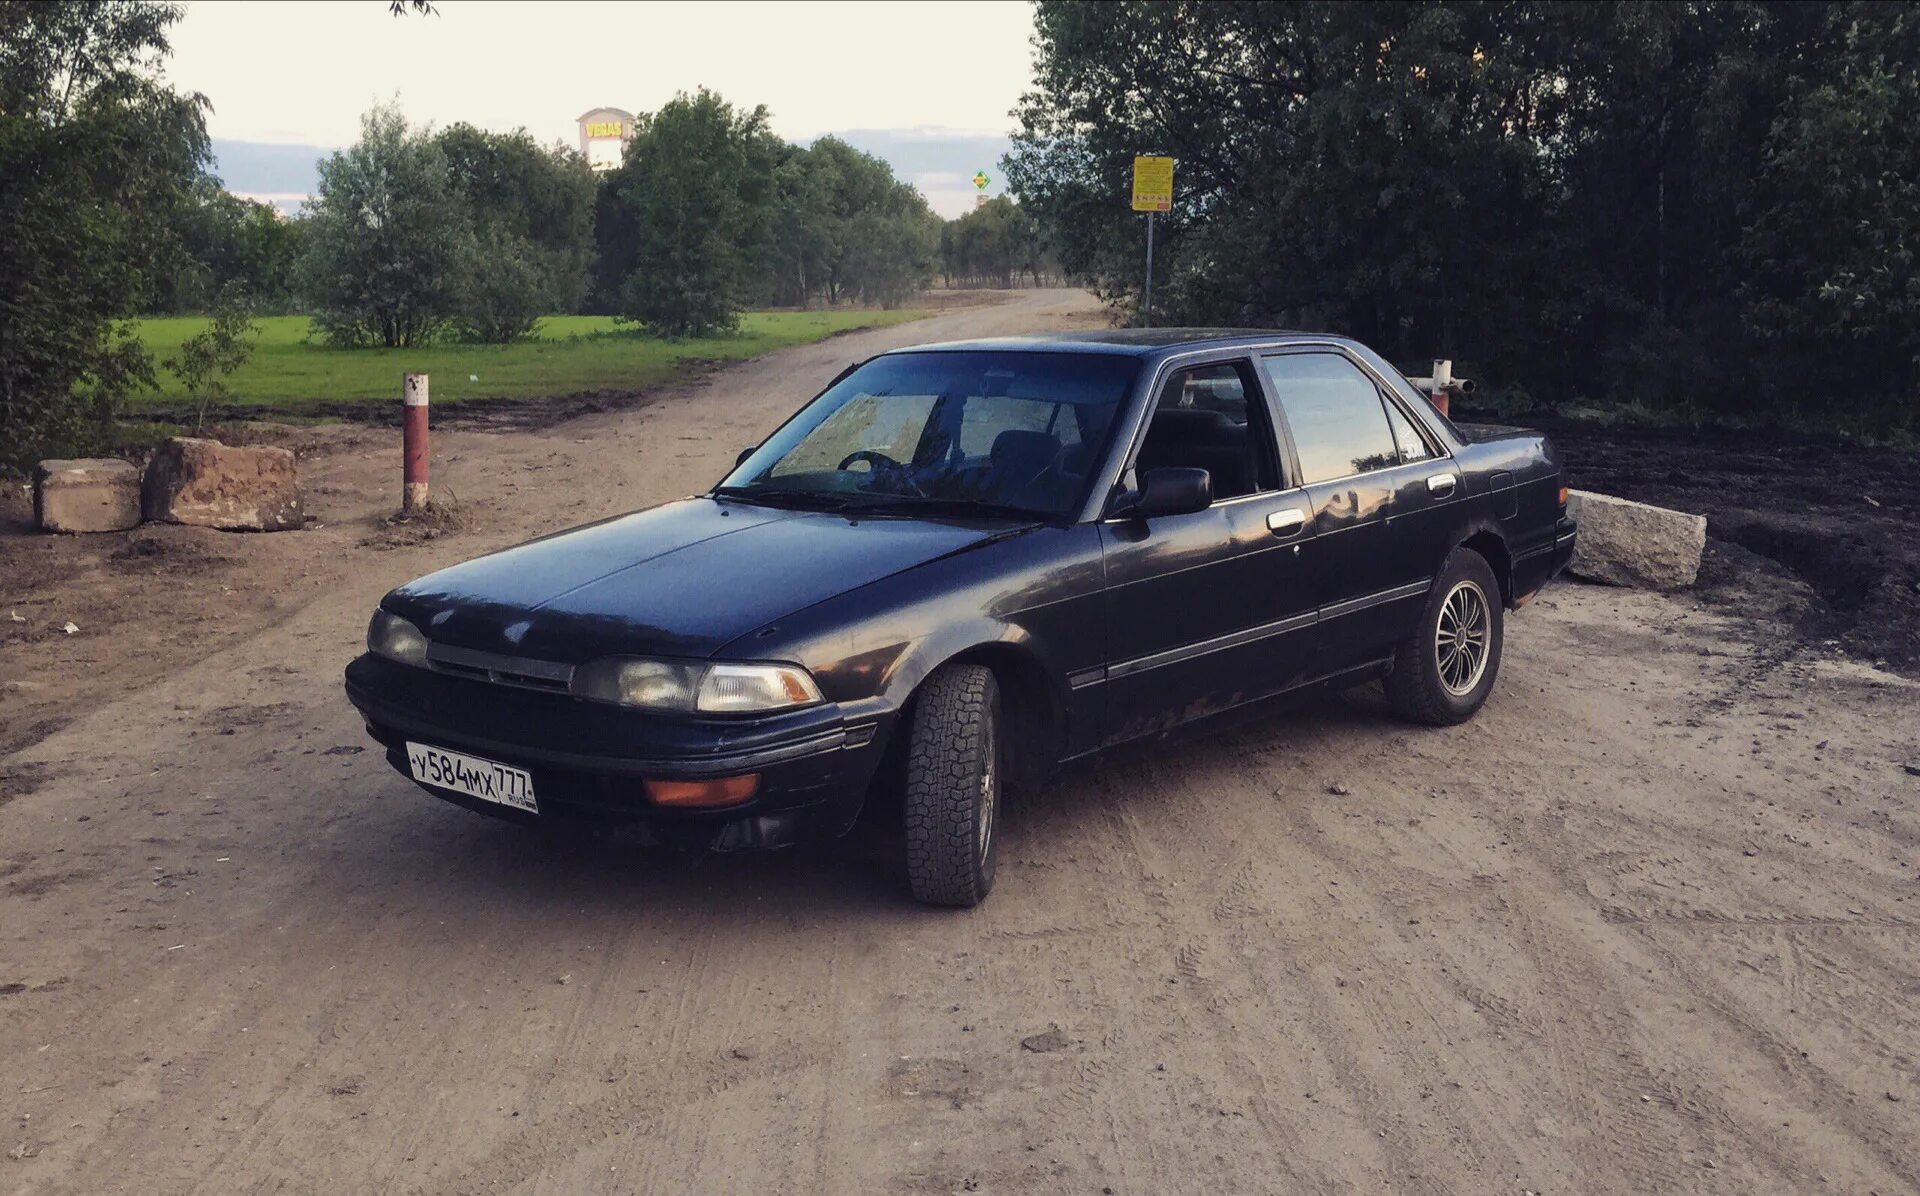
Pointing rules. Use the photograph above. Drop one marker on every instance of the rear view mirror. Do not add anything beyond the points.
(744, 454)
(1170, 491)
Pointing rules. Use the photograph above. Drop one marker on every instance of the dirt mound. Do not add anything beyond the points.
(1842, 519)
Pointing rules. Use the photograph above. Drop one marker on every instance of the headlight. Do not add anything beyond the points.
(396, 639)
(647, 684)
(728, 688)
(686, 687)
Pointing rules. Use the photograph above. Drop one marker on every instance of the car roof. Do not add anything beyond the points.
(1132, 342)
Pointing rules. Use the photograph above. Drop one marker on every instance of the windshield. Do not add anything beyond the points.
(1016, 432)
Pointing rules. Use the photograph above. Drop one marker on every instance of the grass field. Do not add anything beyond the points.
(292, 371)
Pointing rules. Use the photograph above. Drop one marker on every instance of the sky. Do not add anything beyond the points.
(928, 86)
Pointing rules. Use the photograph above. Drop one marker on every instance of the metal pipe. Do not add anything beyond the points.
(413, 395)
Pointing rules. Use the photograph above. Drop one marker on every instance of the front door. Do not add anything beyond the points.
(1213, 608)
(1347, 457)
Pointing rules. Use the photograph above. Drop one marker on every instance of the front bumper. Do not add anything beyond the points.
(588, 760)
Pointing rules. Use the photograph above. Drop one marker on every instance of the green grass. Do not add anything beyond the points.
(293, 369)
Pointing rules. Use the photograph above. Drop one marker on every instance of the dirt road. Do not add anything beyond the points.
(1648, 924)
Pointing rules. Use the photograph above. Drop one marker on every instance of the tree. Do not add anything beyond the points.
(387, 238)
(531, 214)
(97, 155)
(224, 240)
(1701, 203)
(807, 235)
(891, 249)
(879, 237)
(1830, 266)
(208, 357)
(698, 185)
(1351, 165)
(992, 243)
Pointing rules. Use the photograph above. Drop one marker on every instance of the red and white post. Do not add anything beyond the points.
(414, 396)
(1442, 388)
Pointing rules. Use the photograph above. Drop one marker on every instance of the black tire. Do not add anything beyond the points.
(955, 778)
(1435, 685)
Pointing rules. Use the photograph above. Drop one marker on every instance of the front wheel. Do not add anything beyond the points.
(1443, 672)
(954, 777)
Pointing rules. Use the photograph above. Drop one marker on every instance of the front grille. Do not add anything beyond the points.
(520, 671)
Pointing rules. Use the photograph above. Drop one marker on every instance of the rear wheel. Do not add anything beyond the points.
(1443, 672)
(955, 776)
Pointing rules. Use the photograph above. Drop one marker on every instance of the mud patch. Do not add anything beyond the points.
(492, 415)
(229, 720)
(40, 886)
(1840, 565)
(18, 780)
(163, 548)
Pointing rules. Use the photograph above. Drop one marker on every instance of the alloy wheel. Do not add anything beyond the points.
(1462, 638)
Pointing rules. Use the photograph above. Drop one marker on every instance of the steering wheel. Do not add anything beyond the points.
(882, 463)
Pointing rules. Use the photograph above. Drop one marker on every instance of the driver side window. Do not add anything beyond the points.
(1211, 417)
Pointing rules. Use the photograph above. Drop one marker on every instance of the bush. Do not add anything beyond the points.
(207, 358)
(506, 289)
(387, 238)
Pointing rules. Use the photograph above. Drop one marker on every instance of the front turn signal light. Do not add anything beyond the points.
(704, 795)
(1564, 494)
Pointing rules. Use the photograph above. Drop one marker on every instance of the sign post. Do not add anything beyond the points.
(1152, 192)
(980, 181)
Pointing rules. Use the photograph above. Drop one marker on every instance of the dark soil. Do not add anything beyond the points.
(496, 415)
(1841, 520)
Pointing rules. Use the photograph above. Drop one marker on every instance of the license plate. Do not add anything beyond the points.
(487, 780)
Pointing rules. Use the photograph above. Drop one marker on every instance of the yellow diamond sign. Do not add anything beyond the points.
(1153, 184)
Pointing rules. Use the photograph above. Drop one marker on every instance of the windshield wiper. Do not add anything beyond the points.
(911, 504)
(876, 504)
(775, 496)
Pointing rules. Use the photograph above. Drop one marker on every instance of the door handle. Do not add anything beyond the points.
(1287, 522)
(1442, 483)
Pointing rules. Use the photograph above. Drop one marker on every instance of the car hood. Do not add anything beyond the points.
(682, 579)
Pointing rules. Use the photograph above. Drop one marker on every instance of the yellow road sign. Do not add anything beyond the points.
(1153, 184)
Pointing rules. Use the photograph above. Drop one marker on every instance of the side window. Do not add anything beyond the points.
(1339, 427)
(1204, 420)
(1413, 446)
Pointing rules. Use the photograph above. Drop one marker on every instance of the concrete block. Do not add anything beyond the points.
(235, 487)
(90, 494)
(1633, 544)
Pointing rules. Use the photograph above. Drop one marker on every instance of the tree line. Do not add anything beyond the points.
(1706, 204)
(109, 210)
(416, 234)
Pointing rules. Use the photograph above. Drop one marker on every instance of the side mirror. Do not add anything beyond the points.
(1170, 491)
(744, 454)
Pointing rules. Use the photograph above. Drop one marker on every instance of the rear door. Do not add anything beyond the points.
(1347, 459)
(1213, 608)
(1427, 491)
